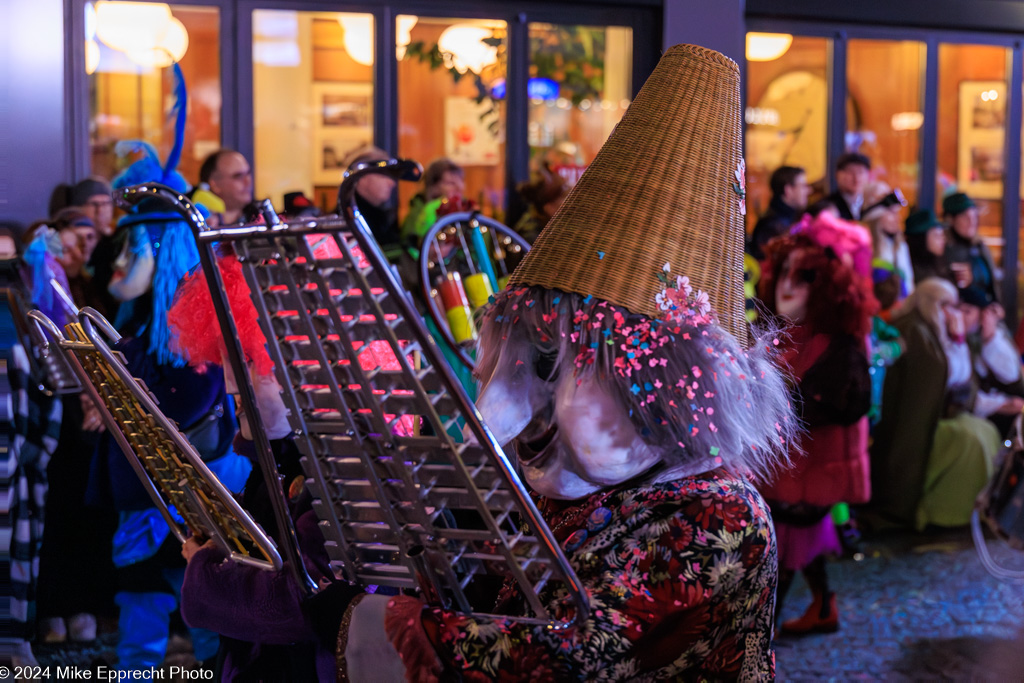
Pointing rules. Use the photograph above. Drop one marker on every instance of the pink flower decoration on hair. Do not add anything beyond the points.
(683, 284)
(702, 303)
(681, 303)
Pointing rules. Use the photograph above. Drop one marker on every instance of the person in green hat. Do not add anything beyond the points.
(969, 259)
(926, 239)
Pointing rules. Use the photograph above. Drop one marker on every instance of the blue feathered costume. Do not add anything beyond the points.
(150, 568)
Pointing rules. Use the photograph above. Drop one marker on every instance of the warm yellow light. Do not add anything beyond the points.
(146, 32)
(761, 116)
(171, 48)
(403, 33)
(128, 26)
(764, 47)
(465, 45)
(92, 57)
(907, 120)
(358, 37)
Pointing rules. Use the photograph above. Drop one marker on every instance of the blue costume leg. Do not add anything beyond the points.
(204, 642)
(142, 628)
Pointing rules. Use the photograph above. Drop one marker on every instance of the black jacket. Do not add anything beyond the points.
(976, 254)
(776, 221)
(840, 203)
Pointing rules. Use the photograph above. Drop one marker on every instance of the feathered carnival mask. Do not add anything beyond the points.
(41, 259)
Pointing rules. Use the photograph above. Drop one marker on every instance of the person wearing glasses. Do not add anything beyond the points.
(227, 175)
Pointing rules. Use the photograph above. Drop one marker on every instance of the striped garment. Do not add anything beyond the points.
(29, 428)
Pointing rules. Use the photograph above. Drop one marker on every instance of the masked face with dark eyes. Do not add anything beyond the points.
(793, 289)
(134, 266)
(571, 436)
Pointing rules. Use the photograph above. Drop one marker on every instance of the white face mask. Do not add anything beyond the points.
(133, 273)
(570, 440)
(268, 400)
(791, 294)
(595, 445)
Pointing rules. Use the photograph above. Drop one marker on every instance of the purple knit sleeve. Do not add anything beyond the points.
(242, 602)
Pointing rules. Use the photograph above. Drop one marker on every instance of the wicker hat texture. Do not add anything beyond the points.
(666, 189)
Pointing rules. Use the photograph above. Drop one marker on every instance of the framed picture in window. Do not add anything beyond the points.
(330, 153)
(342, 116)
(980, 138)
(469, 137)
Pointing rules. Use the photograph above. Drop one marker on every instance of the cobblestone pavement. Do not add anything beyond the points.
(916, 607)
(101, 652)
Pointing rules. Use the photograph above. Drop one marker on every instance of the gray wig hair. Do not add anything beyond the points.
(690, 389)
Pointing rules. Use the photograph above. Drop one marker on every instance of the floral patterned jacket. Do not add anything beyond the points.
(681, 579)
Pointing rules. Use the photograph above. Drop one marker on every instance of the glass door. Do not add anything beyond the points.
(885, 81)
(787, 114)
(130, 47)
(451, 106)
(971, 118)
(313, 100)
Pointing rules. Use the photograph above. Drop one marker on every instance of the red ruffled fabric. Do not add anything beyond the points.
(403, 624)
(195, 332)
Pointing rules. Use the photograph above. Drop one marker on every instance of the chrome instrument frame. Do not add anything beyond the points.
(171, 470)
(378, 448)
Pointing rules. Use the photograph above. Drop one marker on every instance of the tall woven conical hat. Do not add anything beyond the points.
(666, 188)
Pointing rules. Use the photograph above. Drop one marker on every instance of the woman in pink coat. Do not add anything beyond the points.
(816, 281)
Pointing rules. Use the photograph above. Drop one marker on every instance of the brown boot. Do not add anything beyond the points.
(821, 617)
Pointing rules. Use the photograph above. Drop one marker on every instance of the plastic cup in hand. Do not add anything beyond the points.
(961, 274)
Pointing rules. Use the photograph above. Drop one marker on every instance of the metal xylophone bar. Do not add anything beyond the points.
(172, 472)
(374, 406)
(131, 196)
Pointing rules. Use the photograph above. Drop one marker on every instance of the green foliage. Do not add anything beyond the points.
(572, 56)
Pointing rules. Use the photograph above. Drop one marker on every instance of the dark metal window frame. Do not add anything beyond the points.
(236, 66)
(841, 34)
(77, 81)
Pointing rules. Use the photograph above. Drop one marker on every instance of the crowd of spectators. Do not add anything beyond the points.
(111, 261)
(887, 325)
(73, 585)
(936, 370)
(945, 371)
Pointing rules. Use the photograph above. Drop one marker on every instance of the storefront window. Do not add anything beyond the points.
(885, 112)
(129, 51)
(451, 90)
(313, 100)
(787, 112)
(971, 131)
(580, 86)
